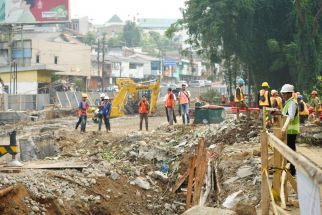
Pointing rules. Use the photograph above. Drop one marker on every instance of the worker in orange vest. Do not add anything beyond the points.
(264, 98)
(303, 110)
(144, 108)
(169, 104)
(82, 113)
(276, 100)
(184, 100)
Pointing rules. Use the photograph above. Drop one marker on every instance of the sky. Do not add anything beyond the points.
(100, 11)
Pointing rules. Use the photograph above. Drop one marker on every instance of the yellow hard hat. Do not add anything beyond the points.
(265, 84)
(314, 92)
(84, 95)
(273, 92)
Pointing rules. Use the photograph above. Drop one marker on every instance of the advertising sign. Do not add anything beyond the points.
(33, 11)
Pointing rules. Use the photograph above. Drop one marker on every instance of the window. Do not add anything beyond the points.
(132, 66)
(56, 60)
(37, 58)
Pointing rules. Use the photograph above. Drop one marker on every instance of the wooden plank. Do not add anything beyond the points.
(200, 178)
(180, 181)
(265, 201)
(199, 167)
(190, 182)
(55, 165)
(278, 162)
(298, 160)
(292, 181)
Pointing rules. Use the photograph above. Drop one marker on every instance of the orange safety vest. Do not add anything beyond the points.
(241, 95)
(143, 107)
(279, 102)
(82, 110)
(170, 100)
(266, 102)
(305, 112)
(184, 97)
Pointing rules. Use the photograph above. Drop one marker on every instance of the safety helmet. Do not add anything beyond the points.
(102, 95)
(273, 92)
(106, 97)
(299, 97)
(314, 92)
(287, 88)
(265, 84)
(84, 95)
(240, 81)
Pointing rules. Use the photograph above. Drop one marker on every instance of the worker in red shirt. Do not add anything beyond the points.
(144, 112)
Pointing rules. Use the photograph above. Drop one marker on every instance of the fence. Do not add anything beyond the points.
(307, 173)
(72, 99)
(24, 102)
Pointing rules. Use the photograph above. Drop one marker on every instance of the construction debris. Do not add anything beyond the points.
(131, 172)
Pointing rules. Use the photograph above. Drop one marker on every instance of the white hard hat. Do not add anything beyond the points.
(102, 95)
(287, 88)
(106, 97)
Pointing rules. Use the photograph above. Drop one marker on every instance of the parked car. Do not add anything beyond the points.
(197, 83)
(208, 83)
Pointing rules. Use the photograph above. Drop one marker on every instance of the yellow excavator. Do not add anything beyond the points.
(129, 94)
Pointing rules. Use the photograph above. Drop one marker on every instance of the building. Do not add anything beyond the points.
(112, 27)
(154, 24)
(58, 54)
(80, 25)
(29, 80)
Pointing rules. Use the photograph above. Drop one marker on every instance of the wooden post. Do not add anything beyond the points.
(265, 201)
(278, 164)
(264, 118)
(190, 182)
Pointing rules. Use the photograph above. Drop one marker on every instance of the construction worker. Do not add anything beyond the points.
(144, 112)
(264, 98)
(303, 110)
(166, 109)
(223, 99)
(276, 100)
(239, 98)
(184, 100)
(107, 112)
(169, 104)
(82, 113)
(315, 103)
(100, 106)
(291, 127)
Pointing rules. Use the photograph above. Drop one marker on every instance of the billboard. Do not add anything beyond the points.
(33, 11)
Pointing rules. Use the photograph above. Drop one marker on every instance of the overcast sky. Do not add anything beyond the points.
(101, 10)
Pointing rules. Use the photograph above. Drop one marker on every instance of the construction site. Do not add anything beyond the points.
(150, 107)
(215, 165)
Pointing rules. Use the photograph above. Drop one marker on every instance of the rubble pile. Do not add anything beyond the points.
(134, 173)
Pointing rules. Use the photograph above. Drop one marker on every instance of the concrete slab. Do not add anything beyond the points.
(197, 210)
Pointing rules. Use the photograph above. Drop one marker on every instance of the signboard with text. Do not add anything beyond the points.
(33, 11)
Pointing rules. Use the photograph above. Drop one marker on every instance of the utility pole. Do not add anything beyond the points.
(103, 62)
(98, 57)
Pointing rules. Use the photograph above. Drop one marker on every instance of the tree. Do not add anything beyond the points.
(274, 40)
(131, 34)
(90, 38)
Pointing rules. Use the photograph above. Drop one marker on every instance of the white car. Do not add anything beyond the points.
(197, 83)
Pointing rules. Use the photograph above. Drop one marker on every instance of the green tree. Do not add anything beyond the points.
(90, 38)
(274, 40)
(131, 34)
